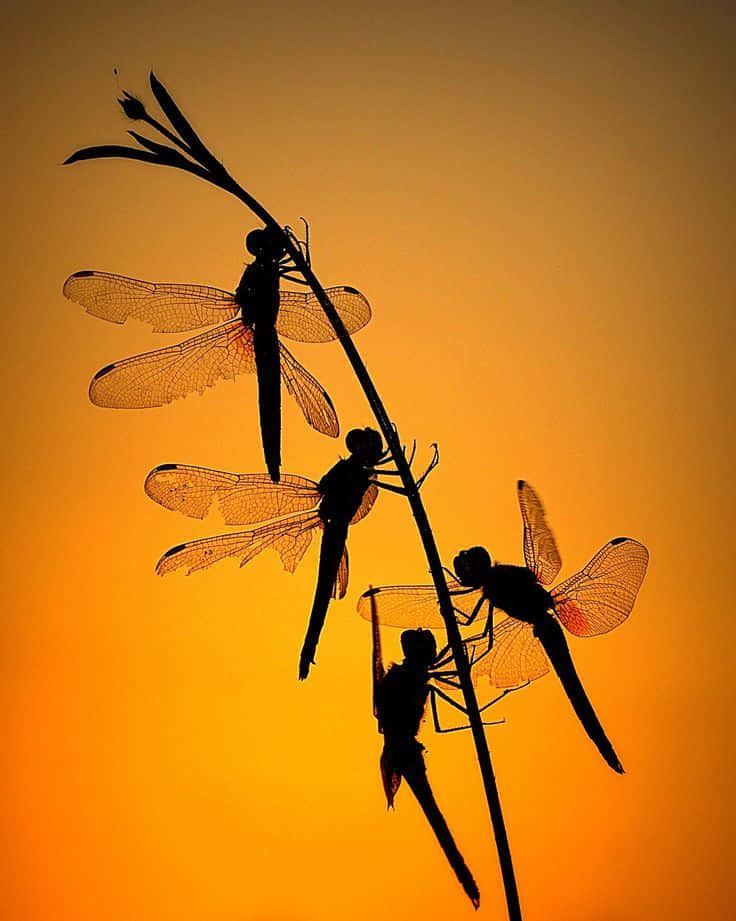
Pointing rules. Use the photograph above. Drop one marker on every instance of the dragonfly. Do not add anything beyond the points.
(528, 637)
(400, 696)
(291, 512)
(244, 338)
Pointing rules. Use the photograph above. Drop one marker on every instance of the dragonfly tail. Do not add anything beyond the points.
(552, 638)
(333, 543)
(268, 369)
(390, 777)
(416, 777)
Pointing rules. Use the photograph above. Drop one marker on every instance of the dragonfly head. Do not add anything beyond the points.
(473, 566)
(366, 445)
(265, 242)
(419, 647)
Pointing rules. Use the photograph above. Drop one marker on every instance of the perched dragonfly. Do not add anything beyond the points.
(521, 646)
(399, 701)
(245, 338)
(295, 509)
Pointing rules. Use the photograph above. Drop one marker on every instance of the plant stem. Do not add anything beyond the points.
(430, 548)
(435, 565)
(214, 172)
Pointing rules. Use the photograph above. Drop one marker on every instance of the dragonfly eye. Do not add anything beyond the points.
(255, 242)
(471, 566)
(419, 647)
(366, 444)
(265, 241)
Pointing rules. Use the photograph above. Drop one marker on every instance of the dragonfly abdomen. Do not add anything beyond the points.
(334, 538)
(268, 371)
(550, 634)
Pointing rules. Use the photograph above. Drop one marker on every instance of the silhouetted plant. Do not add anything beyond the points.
(188, 153)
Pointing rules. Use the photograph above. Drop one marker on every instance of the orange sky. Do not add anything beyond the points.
(538, 206)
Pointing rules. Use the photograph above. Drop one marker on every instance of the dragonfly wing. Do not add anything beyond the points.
(379, 670)
(516, 656)
(158, 377)
(369, 497)
(312, 398)
(301, 316)
(602, 594)
(289, 537)
(242, 498)
(167, 308)
(414, 605)
(540, 550)
(341, 580)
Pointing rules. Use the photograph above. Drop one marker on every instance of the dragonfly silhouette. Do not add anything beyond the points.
(295, 508)
(245, 339)
(521, 646)
(399, 703)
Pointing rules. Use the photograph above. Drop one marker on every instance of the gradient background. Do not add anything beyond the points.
(539, 204)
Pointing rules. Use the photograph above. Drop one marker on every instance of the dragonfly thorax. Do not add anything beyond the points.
(516, 591)
(401, 697)
(258, 289)
(258, 292)
(343, 488)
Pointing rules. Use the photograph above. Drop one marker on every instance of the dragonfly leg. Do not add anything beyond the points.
(475, 659)
(307, 250)
(436, 692)
(495, 700)
(390, 488)
(386, 458)
(443, 657)
(432, 464)
(301, 245)
(486, 632)
(297, 281)
(448, 678)
(474, 613)
(418, 484)
(445, 654)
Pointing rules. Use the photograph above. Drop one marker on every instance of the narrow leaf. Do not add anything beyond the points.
(166, 154)
(180, 123)
(106, 151)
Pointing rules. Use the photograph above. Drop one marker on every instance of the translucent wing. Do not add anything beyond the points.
(168, 308)
(516, 656)
(414, 605)
(341, 582)
(540, 550)
(312, 398)
(242, 498)
(289, 537)
(158, 377)
(301, 317)
(369, 497)
(377, 658)
(602, 594)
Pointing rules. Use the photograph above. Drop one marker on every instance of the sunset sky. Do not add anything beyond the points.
(538, 201)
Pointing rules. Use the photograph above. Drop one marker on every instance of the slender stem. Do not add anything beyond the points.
(430, 548)
(446, 608)
(219, 176)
